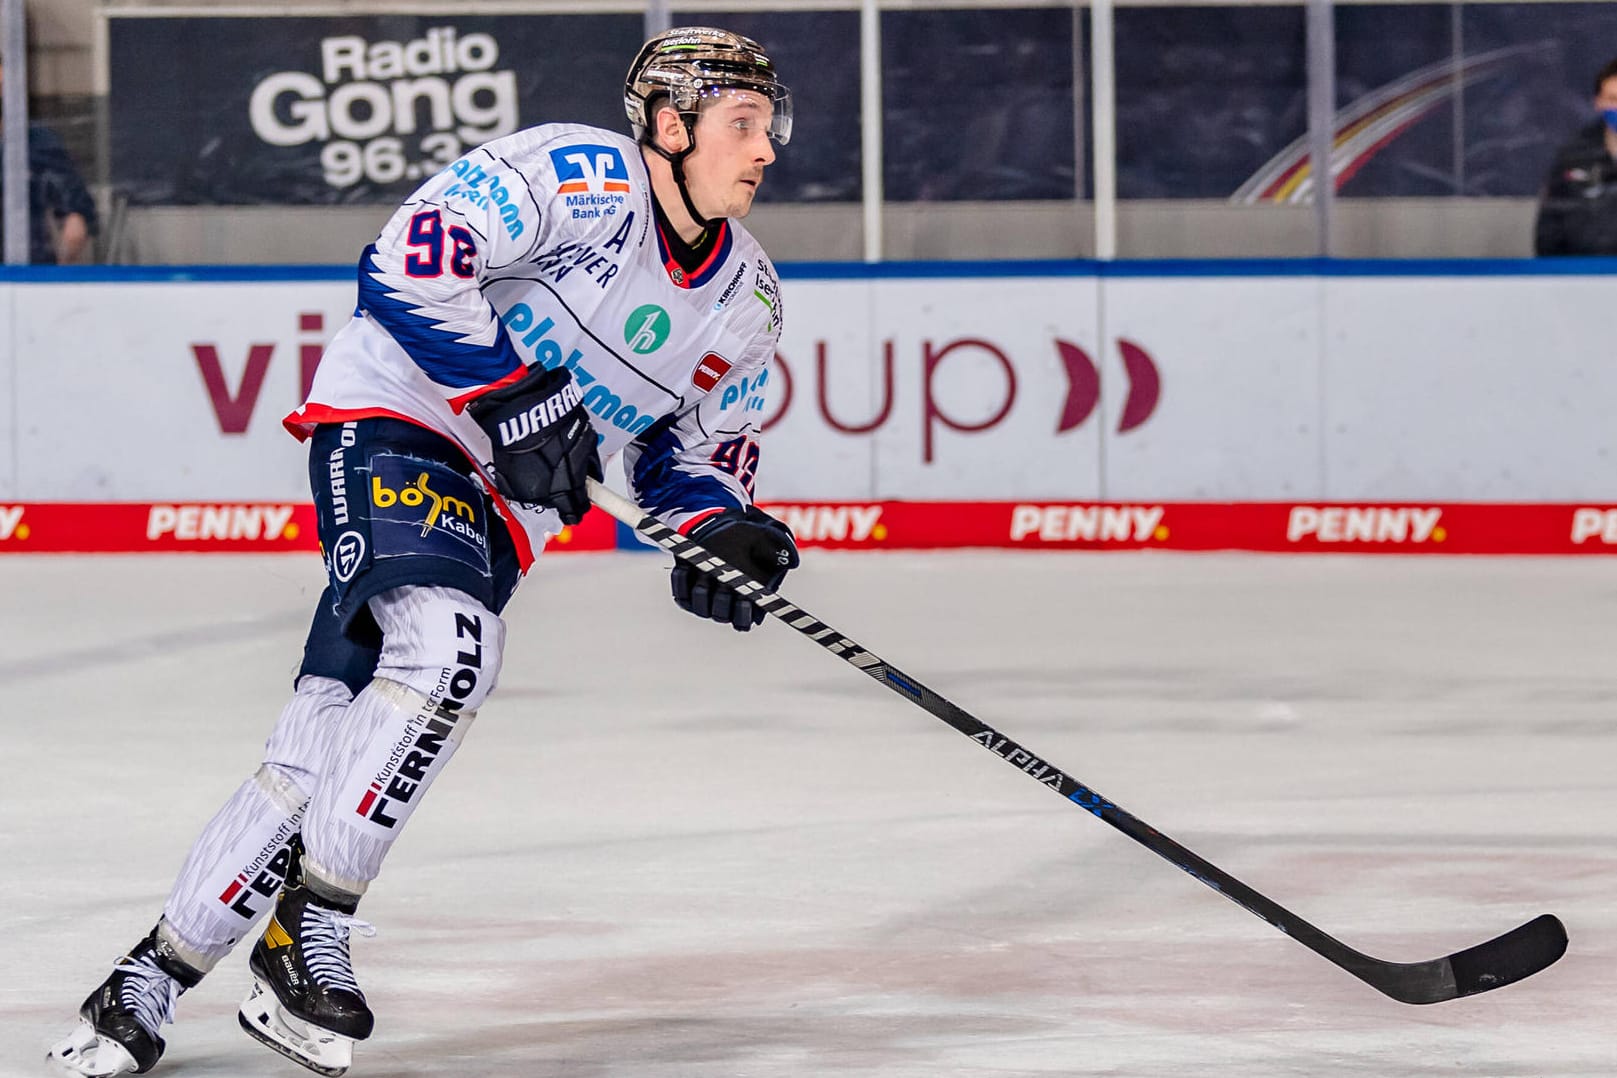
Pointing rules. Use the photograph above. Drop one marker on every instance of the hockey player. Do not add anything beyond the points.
(551, 299)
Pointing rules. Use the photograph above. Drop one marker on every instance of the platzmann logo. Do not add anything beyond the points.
(388, 111)
(540, 337)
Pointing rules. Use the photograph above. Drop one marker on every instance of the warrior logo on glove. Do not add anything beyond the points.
(541, 415)
(544, 446)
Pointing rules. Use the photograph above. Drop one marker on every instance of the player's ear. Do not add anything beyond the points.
(671, 133)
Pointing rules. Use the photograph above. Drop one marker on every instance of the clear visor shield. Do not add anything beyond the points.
(767, 106)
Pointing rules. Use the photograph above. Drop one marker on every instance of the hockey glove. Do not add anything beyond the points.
(544, 446)
(752, 541)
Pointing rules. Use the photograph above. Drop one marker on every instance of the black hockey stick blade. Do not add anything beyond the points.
(1519, 953)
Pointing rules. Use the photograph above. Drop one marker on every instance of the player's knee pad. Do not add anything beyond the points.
(440, 642)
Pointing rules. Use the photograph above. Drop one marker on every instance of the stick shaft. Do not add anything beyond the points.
(1415, 982)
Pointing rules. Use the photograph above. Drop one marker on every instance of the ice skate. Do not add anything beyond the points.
(305, 1002)
(118, 1030)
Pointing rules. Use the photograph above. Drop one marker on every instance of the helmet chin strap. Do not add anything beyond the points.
(676, 162)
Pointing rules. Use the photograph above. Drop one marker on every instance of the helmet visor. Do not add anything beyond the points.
(766, 104)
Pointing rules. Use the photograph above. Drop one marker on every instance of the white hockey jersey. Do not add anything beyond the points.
(541, 247)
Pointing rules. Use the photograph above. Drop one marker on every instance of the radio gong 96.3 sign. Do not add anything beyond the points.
(303, 109)
(366, 107)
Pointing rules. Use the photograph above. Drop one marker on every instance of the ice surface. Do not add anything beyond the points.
(668, 849)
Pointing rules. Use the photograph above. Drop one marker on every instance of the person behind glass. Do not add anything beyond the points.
(1577, 213)
(61, 213)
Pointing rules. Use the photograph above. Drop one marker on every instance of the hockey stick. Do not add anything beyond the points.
(1519, 953)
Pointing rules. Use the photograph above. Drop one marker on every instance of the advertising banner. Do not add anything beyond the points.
(213, 527)
(1276, 527)
(1273, 527)
(174, 391)
(931, 389)
(1261, 412)
(304, 109)
(1220, 389)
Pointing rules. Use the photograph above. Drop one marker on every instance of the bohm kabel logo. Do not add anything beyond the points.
(421, 493)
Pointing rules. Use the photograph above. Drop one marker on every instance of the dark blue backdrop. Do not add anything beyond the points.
(976, 103)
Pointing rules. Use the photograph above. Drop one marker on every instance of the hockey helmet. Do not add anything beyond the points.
(690, 63)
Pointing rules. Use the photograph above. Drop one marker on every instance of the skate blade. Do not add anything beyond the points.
(84, 1053)
(264, 1019)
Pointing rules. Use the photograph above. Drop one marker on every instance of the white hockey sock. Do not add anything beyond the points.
(394, 742)
(236, 866)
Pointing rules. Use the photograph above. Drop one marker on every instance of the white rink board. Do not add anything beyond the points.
(1003, 333)
(8, 395)
(121, 363)
(1239, 414)
(834, 322)
(1270, 388)
(1476, 388)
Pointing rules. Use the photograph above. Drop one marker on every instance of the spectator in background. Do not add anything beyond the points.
(61, 213)
(1577, 213)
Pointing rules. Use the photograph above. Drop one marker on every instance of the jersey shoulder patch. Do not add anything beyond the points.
(758, 302)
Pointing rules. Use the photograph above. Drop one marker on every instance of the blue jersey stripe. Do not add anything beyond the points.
(445, 358)
(663, 488)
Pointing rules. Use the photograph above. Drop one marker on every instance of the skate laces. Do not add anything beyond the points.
(147, 991)
(325, 946)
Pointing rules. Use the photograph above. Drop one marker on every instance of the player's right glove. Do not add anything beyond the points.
(544, 446)
(752, 541)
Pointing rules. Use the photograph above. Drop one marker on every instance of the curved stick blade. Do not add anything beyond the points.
(1506, 959)
(1519, 953)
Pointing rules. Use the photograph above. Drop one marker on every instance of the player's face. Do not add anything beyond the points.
(732, 151)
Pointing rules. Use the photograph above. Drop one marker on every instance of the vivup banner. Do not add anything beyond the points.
(304, 110)
(1394, 412)
(1049, 388)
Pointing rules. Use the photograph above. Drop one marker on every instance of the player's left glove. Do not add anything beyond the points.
(752, 541)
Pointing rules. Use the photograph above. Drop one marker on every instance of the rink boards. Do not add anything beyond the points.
(1452, 407)
(1455, 528)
